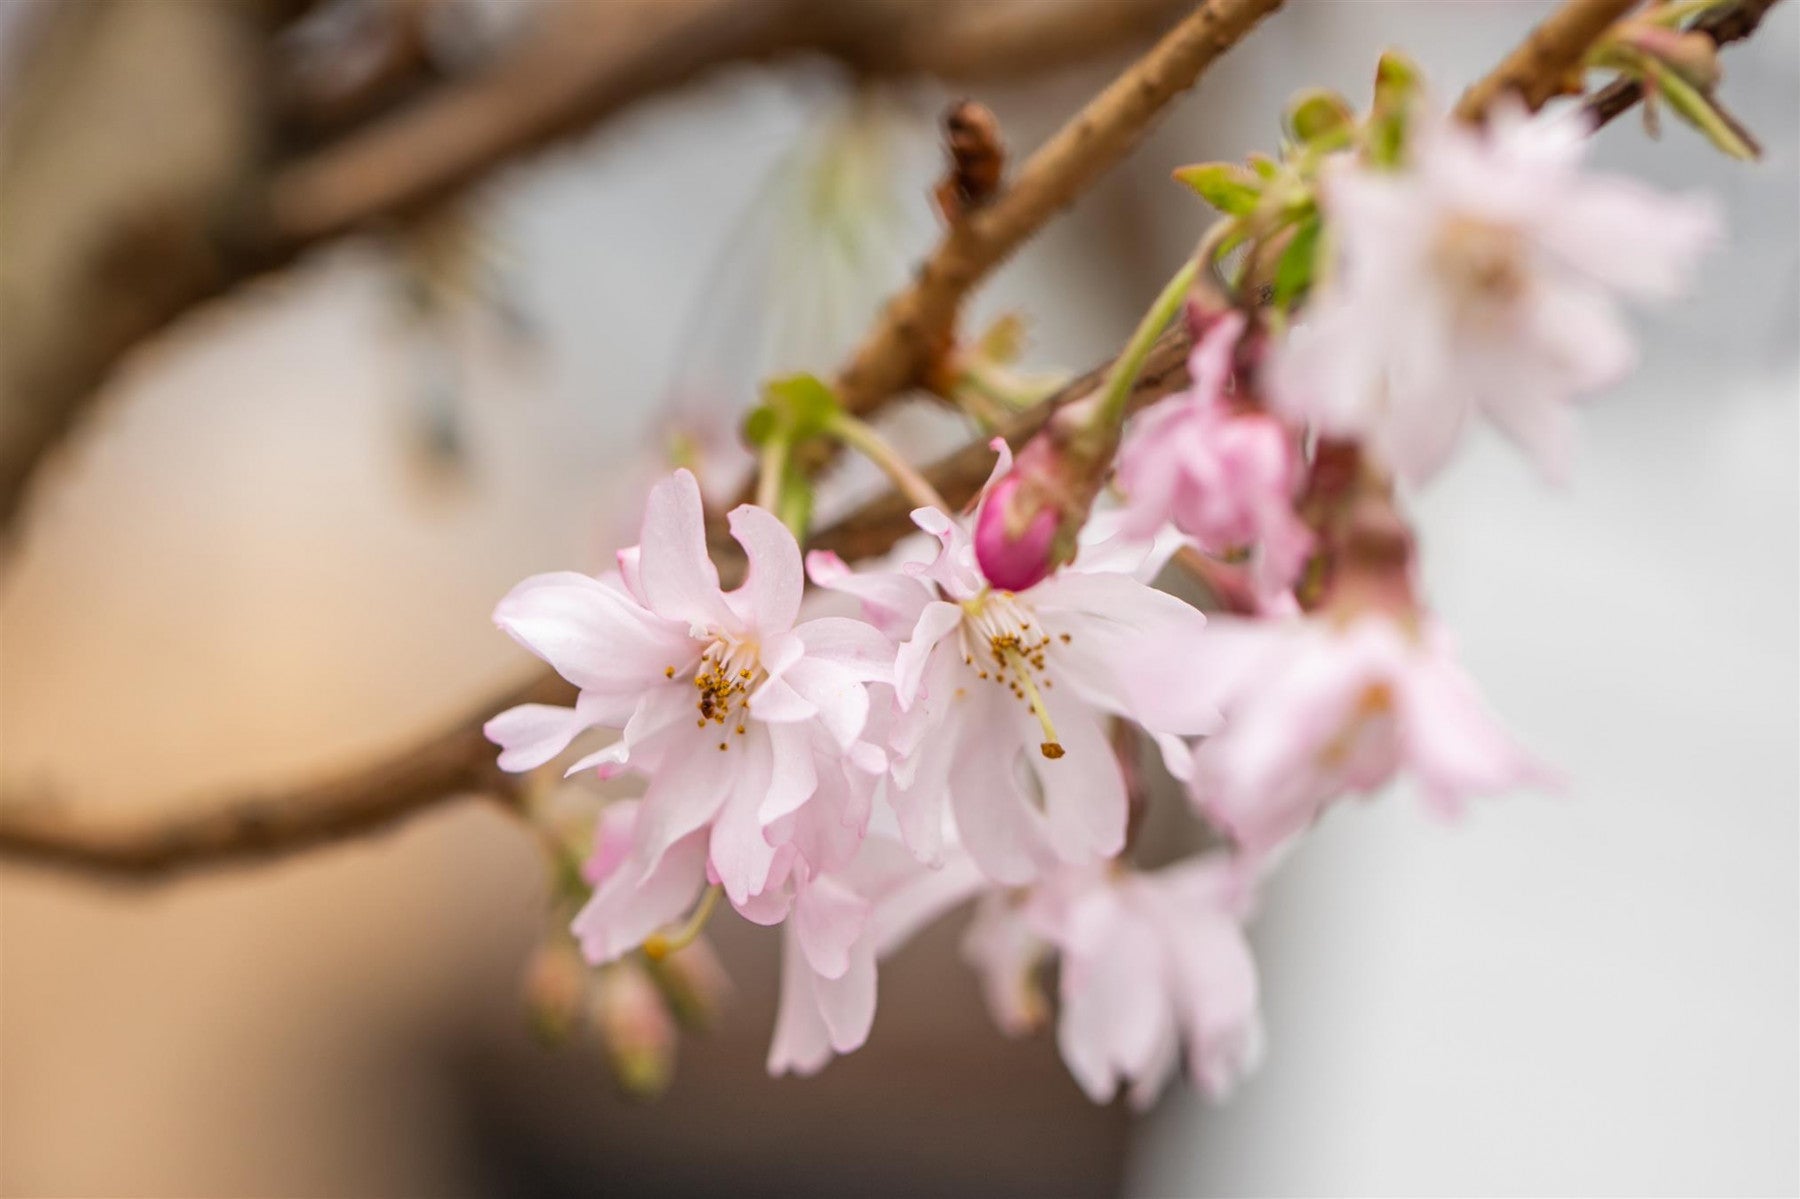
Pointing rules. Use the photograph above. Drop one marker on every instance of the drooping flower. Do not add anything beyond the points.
(725, 704)
(1220, 471)
(1153, 965)
(1316, 710)
(1003, 697)
(842, 924)
(1480, 280)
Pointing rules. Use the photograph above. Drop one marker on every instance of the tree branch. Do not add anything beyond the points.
(916, 326)
(1548, 62)
(448, 766)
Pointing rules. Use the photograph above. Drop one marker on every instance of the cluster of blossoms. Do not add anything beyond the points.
(942, 727)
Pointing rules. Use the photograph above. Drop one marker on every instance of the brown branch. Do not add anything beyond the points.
(450, 765)
(916, 325)
(1724, 26)
(1548, 62)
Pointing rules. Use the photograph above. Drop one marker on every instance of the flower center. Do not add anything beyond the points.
(729, 670)
(1001, 642)
(1483, 263)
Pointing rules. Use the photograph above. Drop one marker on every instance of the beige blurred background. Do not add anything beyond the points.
(247, 569)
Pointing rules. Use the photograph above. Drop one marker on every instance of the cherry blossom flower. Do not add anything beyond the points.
(1152, 964)
(1003, 697)
(1480, 280)
(725, 703)
(1225, 474)
(842, 924)
(1316, 710)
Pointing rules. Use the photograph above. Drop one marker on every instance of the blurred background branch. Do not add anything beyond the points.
(136, 186)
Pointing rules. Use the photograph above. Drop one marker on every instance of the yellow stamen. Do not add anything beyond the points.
(1052, 748)
(658, 946)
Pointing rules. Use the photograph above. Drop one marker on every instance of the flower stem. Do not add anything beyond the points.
(771, 465)
(1110, 411)
(862, 437)
(657, 946)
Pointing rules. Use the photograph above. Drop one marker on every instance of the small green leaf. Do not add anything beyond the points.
(1701, 111)
(1263, 165)
(1230, 188)
(761, 424)
(1320, 119)
(1294, 269)
(804, 404)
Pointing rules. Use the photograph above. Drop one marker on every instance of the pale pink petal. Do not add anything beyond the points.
(837, 694)
(678, 579)
(590, 634)
(1006, 952)
(769, 599)
(1455, 747)
(828, 918)
(847, 1004)
(937, 621)
(531, 734)
(802, 1043)
(889, 598)
(684, 794)
(614, 835)
(740, 854)
(630, 905)
(852, 645)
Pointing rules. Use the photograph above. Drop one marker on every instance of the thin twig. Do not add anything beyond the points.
(915, 328)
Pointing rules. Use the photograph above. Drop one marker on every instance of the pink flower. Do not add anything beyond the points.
(1225, 477)
(726, 704)
(1315, 711)
(1003, 697)
(1480, 280)
(842, 925)
(1152, 964)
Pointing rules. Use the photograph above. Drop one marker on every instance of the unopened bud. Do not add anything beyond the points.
(1014, 537)
(554, 984)
(694, 983)
(635, 1029)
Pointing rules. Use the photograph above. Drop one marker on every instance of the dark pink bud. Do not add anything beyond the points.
(1015, 535)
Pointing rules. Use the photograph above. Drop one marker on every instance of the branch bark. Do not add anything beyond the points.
(1548, 62)
(917, 323)
(448, 766)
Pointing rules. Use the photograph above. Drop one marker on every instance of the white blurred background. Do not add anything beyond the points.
(242, 571)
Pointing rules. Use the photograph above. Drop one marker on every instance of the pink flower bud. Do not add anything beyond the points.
(635, 1028)
(1015, 535)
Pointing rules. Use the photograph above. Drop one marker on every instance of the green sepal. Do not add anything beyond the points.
(1320, 120)
(1294, 269)
(1701, 111)
(1232, 189)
